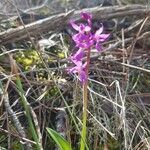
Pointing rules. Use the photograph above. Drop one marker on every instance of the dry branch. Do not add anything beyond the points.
(56, 22)
(59, 22)
(15, 120)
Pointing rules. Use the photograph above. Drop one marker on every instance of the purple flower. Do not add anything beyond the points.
(80, 70)
(87, 16)
(85, 39)
(78, 55)
(81, 28)
(98, 37)
(79, 67)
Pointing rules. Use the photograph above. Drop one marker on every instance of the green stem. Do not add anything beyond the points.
(85, 104)
(27, 110)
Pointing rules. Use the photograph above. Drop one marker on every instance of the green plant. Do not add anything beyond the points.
(60, 141)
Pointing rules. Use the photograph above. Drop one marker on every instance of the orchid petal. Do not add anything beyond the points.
(77, 63)
(72, 70)
(86, 15)
(75, 37)
(83, 76)
(87, 28)
(84, 65)
(78, 55)
(75, 26)
(98, 47)
(103, 37)
(99, 31)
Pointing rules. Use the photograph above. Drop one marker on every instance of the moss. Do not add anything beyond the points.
(61, 55)
(27, 58)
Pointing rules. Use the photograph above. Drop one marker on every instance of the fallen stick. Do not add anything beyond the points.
(52, 23)
(59, 22)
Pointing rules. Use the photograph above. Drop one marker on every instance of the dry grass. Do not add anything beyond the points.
(119, 92)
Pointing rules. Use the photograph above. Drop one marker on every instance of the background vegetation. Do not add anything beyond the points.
(36, 92)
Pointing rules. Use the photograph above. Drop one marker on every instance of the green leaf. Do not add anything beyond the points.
(60, 141)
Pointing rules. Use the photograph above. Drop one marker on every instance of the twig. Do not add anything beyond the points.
(36, 124)
(135, 40)
(17, 136)
(129, 66)
(133, 26)
(59, 22)
(53, 23)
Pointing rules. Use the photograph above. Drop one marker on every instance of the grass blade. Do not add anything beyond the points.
(60, 141)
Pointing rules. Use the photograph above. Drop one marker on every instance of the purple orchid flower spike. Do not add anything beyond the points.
(85, 40)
